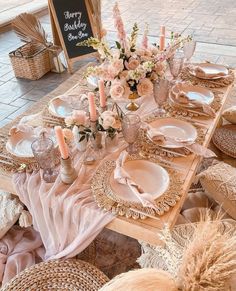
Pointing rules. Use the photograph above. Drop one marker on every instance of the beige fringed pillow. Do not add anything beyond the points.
(230, 114)
(219, 182)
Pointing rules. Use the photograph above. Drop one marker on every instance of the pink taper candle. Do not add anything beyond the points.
(162, 42)
(92, 107)
(102, 93)
(163, 30)
(61, 143)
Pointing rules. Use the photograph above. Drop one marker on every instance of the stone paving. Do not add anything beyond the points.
(206, 19)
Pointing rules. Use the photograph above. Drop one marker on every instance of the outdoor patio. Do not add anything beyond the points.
(211, 23)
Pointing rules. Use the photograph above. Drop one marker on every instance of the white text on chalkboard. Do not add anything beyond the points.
(77, 24)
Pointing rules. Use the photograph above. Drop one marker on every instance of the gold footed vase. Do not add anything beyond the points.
(132, 106)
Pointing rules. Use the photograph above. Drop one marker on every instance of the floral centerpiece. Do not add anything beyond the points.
(128, 69)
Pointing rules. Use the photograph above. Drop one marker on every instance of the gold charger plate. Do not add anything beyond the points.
(107, 199)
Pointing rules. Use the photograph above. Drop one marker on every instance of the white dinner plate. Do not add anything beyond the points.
(59, 107)
(175, 128)
(211, 71)
(19, 142)
(92, 82)
(151, 177)
(194, 93)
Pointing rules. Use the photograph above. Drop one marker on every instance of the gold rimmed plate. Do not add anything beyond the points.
(21, 138)
(117, 199)
(60, 107)
(209, 71)
(144, 173)
(175, 129)
(194, 94)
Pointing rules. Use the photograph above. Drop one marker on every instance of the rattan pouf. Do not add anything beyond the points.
(63, 275)
(224, 139)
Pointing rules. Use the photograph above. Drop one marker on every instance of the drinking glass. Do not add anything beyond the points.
(44, 151)
(130, 128)
(189, 49)
(176, 65)
(161, 92)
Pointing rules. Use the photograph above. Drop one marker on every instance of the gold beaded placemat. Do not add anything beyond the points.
(217, 83)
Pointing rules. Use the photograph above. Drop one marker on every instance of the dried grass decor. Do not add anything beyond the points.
(29, 29)
(209, 260)
(207, 263)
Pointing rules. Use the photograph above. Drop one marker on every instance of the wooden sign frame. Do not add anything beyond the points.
(58, 37)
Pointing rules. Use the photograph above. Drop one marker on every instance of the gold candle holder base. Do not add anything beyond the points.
(132, 106)
(68, 173)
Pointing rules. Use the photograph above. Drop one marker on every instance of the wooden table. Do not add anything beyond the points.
(147, 230)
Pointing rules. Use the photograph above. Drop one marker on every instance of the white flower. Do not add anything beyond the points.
(148, 66)
(107, 119)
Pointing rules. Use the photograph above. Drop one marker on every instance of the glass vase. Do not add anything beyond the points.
(81, 145)
(111, 142)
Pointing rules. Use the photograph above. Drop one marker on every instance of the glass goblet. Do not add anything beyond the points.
(130, 128)
(176, 64)
(161, 92)
(44, 151)
(189, 49)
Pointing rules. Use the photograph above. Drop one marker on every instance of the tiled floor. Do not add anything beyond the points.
(197, 16)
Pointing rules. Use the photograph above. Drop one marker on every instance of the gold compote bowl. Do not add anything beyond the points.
(132, 106)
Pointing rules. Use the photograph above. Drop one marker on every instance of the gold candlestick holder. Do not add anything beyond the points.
(133, 106)
(68, 172)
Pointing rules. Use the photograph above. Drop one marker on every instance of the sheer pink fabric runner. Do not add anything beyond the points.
(67, 217)
(20, 248)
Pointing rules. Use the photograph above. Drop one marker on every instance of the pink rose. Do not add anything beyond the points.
(119, 89)
(145, 87)
(118, 65)
(124, 74)
(132, 64)
(79, 117)
(158, 67)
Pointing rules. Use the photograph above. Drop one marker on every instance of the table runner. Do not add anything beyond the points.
(20, 248)
(66, 216)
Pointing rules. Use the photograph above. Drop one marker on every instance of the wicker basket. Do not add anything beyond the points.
(30, 61)
(55, 275)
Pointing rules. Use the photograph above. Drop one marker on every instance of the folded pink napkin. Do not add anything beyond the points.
(124, 178)
(182, 97)
(189, 144)
(201, 73)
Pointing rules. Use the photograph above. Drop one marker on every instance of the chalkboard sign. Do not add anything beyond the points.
(73, 21)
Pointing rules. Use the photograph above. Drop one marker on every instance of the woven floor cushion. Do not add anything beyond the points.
(55, 275)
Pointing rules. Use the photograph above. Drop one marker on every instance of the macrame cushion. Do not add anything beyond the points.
(219, 183)
(230, 114)
(10, 210)
(160, 257)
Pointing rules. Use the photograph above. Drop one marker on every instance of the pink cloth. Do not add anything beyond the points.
(66, 216)
(20, 248)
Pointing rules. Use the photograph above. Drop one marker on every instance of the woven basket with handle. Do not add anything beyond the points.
(71, 274)
(30, 61)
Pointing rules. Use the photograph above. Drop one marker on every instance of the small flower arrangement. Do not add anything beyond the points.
(127, 67)
(109, 122)
(79, 121)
